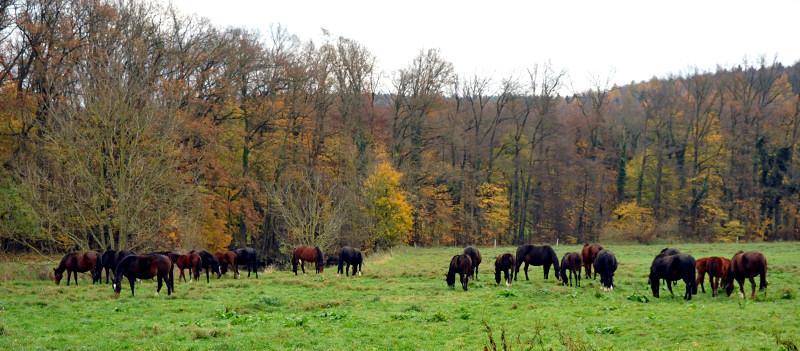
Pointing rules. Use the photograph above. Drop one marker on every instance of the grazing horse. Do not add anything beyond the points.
(476, 258)
(505, 264)
(461, 264)
(209, 263)
(350, 256)
(75, 262)
(571, 261)
(669, 252)
(227, 258)
(588, 254)
(671, 268)
(716, 267)
(303, 254)
(747, 265)
(144, 267)
(121, 255)
(247, 257)
(192, 261)
(605, 264)
(109, 262)
(537, 256)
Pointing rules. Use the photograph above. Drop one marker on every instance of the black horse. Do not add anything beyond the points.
(109, 262)
(571, 261)
(247, 257)
(348, 256)
(210, 263)
(537, 256)
(672, 268)
(605, 264)
(475, 256)
(504, 264)
(144, 267)
(461, 264)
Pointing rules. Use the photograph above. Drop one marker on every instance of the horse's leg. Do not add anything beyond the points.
(753, 286)
(546, 270)
(669, 286)
(132, 280)
(207, 279)
(578, 277)
(158, 290)
(701, 280)
(526, 271)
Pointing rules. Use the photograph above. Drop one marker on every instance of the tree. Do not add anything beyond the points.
(386, 207)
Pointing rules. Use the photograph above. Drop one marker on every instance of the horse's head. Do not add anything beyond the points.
(57, 275)
(117, 286)
(496, 274)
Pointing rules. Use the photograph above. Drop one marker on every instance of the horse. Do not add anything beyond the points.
(571, 261)
(209, 262)
(75, 262)
(537, 256)
(121, 255)
(227, 258)
(671, 268)
(716, 267)
(461, 264)
(505, 263)
(109, 262)
(588, 254)
(669, 252)
(476, 258)
(350, 256)
(605, 264)
(247, 257)
(305, 254)
(747, 265)
(192, 261)
(144, 267)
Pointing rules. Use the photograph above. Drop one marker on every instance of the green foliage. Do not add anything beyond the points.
(638, 298)
(19, 221)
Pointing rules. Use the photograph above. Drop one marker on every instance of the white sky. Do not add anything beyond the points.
(635, 40)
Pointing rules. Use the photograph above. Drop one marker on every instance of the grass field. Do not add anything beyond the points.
(402, 302)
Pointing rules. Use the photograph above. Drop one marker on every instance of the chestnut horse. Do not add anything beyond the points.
(588, 255)
(747, 265)
(303, 254)
(461, 264)
(571, 261)
(227, 258)
(716, 267)
(505, 263)
(144, 267)
(476, 258)
(192, 261)
(75, 262)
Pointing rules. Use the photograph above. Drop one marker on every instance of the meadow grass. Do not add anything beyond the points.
(402, 302)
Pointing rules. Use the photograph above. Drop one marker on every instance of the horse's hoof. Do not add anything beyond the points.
(337, 275)
(156, 293)
(359, 274)
(508, 285)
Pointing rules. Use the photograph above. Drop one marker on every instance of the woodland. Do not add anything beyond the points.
(127, 124)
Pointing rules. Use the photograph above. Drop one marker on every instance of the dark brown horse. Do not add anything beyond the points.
(144, 267)
(303, 254)
(461, 264)
(571, 261)
(348, 256)
(747, 265)
(588, 254)
(248, 257)
(191, 261)
(672, 268)
(227, 258)
(605, 264)
(75, 262)
(505, 263)
(543, 256)
(109, 262)
(716, 267)
(476, 258)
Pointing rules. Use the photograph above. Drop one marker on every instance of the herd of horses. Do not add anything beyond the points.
(669, 265)
(159, 265)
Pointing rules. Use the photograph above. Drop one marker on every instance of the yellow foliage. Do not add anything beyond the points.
(493, 202)
(386, 205)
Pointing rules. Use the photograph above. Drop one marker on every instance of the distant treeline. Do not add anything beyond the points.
(128, 124)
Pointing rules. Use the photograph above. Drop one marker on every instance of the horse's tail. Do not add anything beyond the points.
(554, 258)
(320, 257)
(762, 284)
(171, 282)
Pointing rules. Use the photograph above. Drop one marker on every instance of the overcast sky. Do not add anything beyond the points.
(633, 39)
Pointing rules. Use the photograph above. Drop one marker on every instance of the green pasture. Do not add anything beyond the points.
(402, 302)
